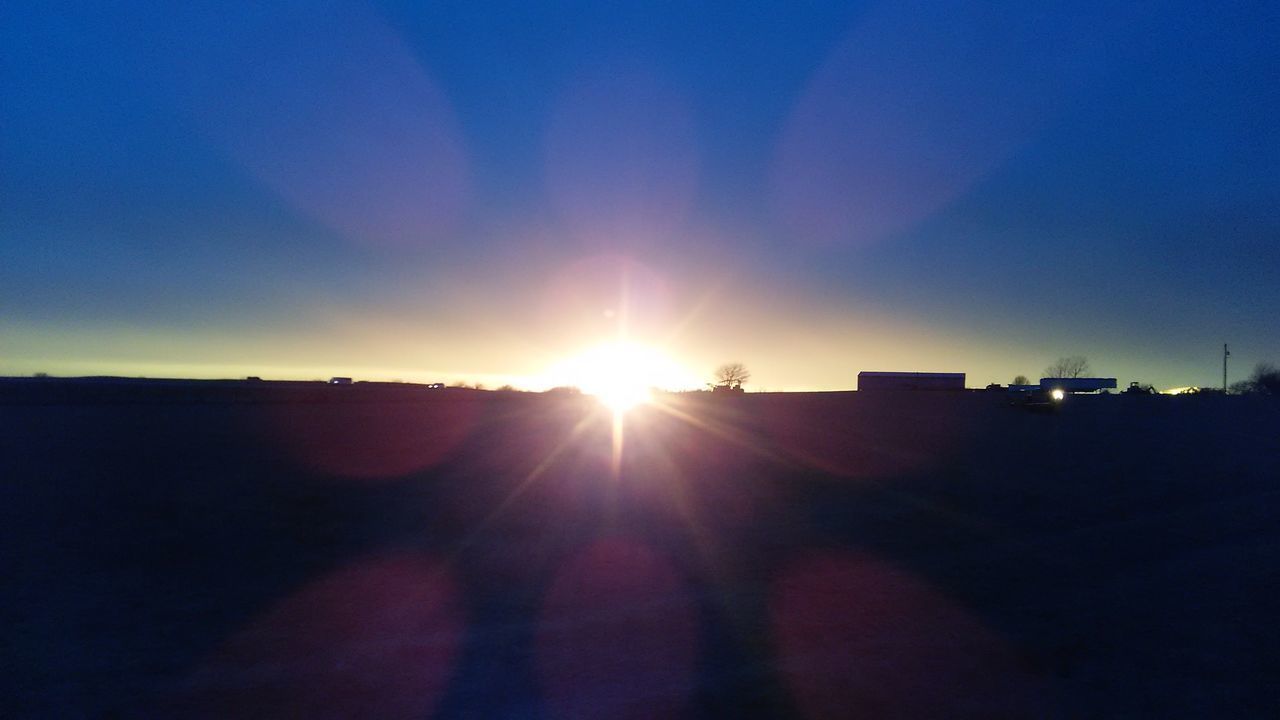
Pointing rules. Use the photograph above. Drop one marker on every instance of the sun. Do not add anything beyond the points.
(622, 374)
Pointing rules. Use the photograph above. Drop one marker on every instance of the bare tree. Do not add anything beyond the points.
(1264, 380)
(1068, 367)
(1240, 387)
(732, 375)
(1021, 380)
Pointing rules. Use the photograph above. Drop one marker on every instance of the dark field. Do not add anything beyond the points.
(222, 550)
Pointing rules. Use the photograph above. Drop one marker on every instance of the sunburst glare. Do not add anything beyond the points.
(622, 374)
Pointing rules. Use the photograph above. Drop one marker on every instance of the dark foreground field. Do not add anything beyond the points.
(224, 551)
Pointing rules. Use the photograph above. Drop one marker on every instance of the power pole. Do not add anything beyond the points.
(1225, 354)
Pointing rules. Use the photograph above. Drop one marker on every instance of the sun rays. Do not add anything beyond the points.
(622, 374)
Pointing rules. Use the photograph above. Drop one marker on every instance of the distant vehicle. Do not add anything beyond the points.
(435, 386)
(1136, 388)
(339, 381)
(1035, 398)
(253, 378)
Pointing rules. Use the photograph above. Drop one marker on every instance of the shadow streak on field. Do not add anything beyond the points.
(172, 552)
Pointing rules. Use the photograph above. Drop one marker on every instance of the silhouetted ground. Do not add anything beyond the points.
(265, 550)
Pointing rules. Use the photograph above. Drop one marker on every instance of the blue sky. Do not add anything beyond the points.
(463, 189)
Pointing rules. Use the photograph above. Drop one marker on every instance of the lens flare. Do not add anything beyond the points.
(622, 374)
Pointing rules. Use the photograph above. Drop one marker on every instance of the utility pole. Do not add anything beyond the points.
(1225, 354)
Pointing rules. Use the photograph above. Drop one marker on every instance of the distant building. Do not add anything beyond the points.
(876, 381)
(339, 381)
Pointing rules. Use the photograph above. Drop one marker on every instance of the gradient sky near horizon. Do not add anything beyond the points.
(475, 191)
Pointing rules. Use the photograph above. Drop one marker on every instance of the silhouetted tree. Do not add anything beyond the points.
(1264, 380)
(1021, 380)
(732, 375)
(1068, 367)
